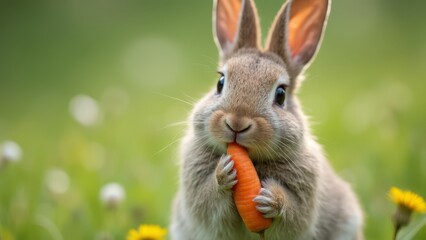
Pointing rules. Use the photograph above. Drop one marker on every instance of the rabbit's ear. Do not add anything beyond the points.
(235, 25)
(297, 31)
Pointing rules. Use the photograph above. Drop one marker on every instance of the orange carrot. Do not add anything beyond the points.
(246, 189)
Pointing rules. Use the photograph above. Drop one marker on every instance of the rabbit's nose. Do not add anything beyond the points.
(238, 125)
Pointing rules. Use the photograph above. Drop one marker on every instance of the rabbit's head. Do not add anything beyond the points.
(254, 102)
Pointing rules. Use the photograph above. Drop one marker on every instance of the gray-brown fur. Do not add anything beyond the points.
(300, 191)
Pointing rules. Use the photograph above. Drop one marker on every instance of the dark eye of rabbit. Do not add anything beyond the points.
(280, 95)
(220, 83)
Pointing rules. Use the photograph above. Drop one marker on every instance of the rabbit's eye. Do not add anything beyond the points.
(220, 83)
(280, 95)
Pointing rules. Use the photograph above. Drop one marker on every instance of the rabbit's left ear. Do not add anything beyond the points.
(235, 26)
(297, 32)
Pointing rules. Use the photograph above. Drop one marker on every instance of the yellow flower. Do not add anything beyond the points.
(408, 202)
(147, 232)
(407, 199)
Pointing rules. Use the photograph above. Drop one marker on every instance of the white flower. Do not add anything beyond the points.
(57, 181)
(10, 151)
(112, 194)
(85, 110)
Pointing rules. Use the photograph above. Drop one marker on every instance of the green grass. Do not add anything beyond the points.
(364, 93)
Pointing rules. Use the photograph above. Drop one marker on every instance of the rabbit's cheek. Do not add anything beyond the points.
(217, 127)
(290, 129)
(264, 131)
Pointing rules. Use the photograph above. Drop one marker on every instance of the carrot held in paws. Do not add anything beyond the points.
(246, 189)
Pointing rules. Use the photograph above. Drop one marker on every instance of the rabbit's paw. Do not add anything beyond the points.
(226, 175)
(271, 200)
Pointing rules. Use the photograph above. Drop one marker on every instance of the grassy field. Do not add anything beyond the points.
(364, 93)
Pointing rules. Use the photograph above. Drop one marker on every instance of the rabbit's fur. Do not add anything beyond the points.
(301, 192)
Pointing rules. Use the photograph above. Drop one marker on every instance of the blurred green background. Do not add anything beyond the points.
(87, 90)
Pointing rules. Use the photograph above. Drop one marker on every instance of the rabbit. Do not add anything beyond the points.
(255, 105)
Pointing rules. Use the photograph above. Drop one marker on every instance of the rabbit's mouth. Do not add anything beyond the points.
(250, 132)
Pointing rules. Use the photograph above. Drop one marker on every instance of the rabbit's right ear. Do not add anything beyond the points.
(235, 26)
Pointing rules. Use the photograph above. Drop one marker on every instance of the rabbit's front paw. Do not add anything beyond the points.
(271, 200)
(226, 175)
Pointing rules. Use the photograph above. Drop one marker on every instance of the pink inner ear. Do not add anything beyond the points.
(305, 26)
(228, 13)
